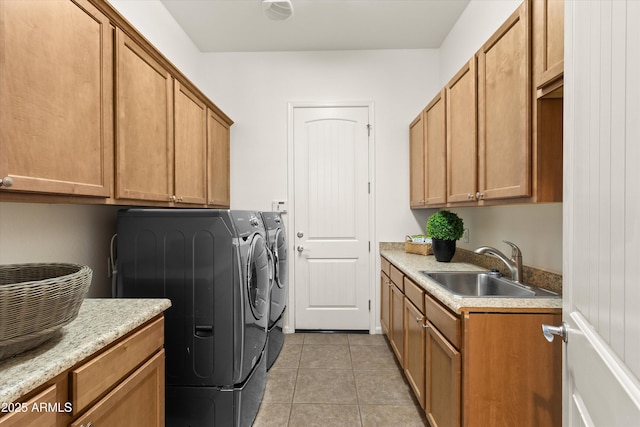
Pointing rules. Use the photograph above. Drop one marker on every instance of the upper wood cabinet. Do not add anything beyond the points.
(80, 84)
(416, 162)
(144, 124)
(190, 147)
(503, 137)
(504, 111)
(218, 159)
(462, 152)
(435, 149)
(427, 151)
(548, 43)
(56, 102)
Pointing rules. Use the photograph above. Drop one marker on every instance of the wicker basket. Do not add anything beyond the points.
(417, 248)
(36, 300)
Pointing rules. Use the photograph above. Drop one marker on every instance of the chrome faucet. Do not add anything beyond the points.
(514, 264)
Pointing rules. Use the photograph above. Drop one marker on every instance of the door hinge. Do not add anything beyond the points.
(369, 245)
(368, 130)
(369, 305)
(369, 187)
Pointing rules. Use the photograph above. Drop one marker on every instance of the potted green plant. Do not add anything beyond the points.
(444, 228)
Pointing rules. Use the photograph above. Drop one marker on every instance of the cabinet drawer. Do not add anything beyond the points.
(396, 277)
(29, 418)
(446, 322)
(142, 389)
(384, 265)
(93, 379)
(414, 293)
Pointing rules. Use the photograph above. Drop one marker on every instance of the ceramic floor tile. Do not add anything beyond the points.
(366, 339)
(324, 415)
(392, 416)
(280, 385)
(338, 380)
(335, 339)
(325, 386)
(371, 357)
(289, 357)
(273, 415)
(325, 356)
(382, 387)
(293, 339)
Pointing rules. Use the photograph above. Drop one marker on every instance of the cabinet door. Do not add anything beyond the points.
(218, 155)
(397, 323)
(442, 380)
(137, 401)
(190, 147)
(416, 162)
(509, 367)
(548, 39)
(56, 102)
(144, 124)
(414, 349)
(504, 111)
(462, 153)
(385, 301)
(435, 152)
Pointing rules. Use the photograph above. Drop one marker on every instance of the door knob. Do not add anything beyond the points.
(550, 332)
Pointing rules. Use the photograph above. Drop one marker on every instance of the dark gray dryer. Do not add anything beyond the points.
(214, 266)
(277, 242)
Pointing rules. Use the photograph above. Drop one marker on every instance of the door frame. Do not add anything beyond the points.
(289, 324)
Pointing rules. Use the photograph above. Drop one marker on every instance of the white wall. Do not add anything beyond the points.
(78, 234)
(154, 21)
(255, 89)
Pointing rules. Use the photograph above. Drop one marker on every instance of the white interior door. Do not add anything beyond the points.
(601, 385)
(331, 217)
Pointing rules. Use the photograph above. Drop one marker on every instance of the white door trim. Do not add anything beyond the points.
(289, 326)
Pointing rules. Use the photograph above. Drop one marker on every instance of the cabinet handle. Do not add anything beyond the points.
(425, 325)
(419, 319)
(172, 198)
(180, 199)
(469, 196)
(479, 195)
(6, 182)
(89, 424)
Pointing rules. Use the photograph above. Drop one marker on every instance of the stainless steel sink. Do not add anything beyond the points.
(484, 284)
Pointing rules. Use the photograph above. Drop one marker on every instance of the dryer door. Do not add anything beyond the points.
(258, 279)
(280, 254)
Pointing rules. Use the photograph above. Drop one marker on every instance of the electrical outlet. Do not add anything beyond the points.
(465, 235)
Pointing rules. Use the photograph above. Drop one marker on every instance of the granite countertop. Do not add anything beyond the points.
(412, 264)
(99, 323)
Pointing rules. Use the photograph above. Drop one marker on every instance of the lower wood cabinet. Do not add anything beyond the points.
(474, 368)
(138, 401)
(397, 322)
(122, 385)
(385, 301)
(443, 385)
(17, 418)
(414, 349)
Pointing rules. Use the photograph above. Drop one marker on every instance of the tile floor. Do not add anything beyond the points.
(337, 380)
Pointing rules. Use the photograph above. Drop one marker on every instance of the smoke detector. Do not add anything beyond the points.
(278, 10)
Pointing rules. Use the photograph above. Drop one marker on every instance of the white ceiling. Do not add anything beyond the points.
(241, 26)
